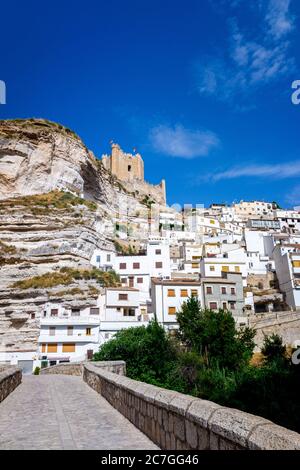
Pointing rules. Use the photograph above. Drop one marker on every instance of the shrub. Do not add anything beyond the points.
(213, 335)
(273, 348)
(37, 371)
(148, 352)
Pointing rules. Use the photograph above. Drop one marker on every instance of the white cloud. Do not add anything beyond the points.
(276, 171)
(181, 142)
(250, 60)
(279, 18)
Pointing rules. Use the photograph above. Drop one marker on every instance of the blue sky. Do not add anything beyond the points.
(201, 88)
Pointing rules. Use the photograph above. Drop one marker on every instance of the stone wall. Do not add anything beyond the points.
(10, 378)
(76, 368)
(176, 421)
(72, 368)
(285, 324)
(143, 188)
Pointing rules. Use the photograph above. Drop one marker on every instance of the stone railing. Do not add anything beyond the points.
(176, 421)
(10, 378)
(76, 368)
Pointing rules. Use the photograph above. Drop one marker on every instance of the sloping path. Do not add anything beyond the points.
(63, 412)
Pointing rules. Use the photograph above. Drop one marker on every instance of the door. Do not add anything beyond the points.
(26, 366)
(131, 281)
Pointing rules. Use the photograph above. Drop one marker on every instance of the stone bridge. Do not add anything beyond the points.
(95, 406)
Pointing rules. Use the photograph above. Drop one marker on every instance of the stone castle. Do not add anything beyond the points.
(129, 168)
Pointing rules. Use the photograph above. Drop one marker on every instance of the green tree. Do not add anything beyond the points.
(273, 349)
(213, 335)
(148, 351)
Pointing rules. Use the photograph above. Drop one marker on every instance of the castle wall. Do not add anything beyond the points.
(154, 191)
(129, 169)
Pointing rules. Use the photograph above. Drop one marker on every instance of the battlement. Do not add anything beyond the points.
(125, 166)
(129, 168)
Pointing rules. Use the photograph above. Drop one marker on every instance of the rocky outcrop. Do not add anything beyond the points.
(57, 205)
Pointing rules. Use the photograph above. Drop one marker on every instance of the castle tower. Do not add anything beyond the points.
(129, 168)
(125, 166)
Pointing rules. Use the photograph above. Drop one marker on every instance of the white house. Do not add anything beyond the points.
(69, 333)
(168, 297)
(123, 308)
(233, 260)
(289, 220)
(287, 265)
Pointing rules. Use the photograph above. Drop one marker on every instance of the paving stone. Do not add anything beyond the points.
(62, 412)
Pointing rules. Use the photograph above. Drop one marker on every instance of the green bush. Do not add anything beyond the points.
(37, 371)
(213, 335)
(147, 350)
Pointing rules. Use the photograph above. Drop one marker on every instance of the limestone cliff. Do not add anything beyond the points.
(57, 204)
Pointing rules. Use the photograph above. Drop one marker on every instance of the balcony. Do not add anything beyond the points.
(70, 320)
(65, 338)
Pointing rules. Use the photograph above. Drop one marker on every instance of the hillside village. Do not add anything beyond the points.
(126, 257)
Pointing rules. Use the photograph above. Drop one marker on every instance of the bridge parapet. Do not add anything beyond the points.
(76, 368)
(10, 378)
(176, 421)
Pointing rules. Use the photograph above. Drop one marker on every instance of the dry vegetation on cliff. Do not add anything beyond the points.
(30, 125)
(44, 202)
(66, 276)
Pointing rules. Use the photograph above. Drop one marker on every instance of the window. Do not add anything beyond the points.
(123, 296)
(52, 348)
(54, 312)
(232, 305)
(98, 259)
(32, 316)
(232, 290)
(43, 348)
(213, 305)
(70, 330)
(237, 269)
(194, 293)
(225, 269)
(75, 312)
(224, 305)
(94, 311)
(171, 292)
(172, 310)
(88, 331)
(196, 257)
(123, 280)
(129, 168)
(184, 293)
(223, 290)
(158, 252)
(70, 347)
(122, 265)
(296, 264)
(158, 264)
(129, 312)
(52, 331)
(136, 265)
(139, 280)
(108, 258)
(209, 290)
(195, 265)
(212, 268)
